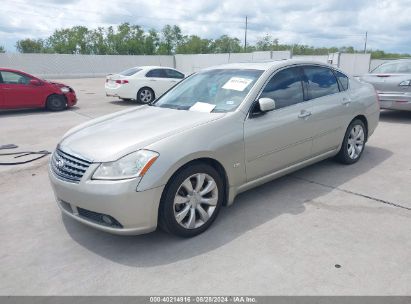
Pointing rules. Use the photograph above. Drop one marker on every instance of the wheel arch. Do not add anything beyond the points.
(146, 87)
(212, 162)
(365, 121)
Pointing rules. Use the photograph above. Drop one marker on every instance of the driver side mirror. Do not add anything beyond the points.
(266, 104)
(35, 82)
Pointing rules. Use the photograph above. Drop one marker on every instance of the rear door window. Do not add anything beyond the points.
(157, 73)
(343, 80)
(321, 81)
(393, 68)
(130, 72)
(173, 74)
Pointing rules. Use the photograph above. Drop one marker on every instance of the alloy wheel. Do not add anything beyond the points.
(146, 96)
(195, 201)
(355, 141)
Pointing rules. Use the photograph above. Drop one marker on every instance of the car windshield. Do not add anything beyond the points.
(219, 90)
(130, 72)
(394, 68)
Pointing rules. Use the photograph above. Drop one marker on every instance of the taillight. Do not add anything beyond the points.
(121, 81)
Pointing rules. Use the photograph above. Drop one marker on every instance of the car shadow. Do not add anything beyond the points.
(393, 116)
(288, 195)
(22, 112)
(125, 102)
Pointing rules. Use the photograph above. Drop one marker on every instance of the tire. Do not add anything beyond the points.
(187, 213)
(145, 95)
(56, 103)
(353, 144)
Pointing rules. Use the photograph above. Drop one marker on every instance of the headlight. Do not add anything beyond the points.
(65, 89)
(405, 83)
(132, 165)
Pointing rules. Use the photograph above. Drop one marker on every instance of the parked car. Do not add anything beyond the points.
(143, 84)
(219, 132)
(392, 80)
(22, 90)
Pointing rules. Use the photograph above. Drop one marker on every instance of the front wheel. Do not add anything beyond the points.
(191, 201)
(353, 144)
(56, 103)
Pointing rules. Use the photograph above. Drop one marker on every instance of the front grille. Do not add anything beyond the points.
(99, 218)
(68, 167)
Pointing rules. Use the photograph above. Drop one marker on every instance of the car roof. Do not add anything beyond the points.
(11, 70)
(148, 67)
(267, 64)
(17, 71)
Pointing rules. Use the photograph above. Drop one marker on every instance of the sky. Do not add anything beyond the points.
(312, 22)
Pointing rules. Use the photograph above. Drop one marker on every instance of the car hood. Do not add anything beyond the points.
(110, 137)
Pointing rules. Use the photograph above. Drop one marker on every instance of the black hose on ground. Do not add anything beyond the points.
(41, 154)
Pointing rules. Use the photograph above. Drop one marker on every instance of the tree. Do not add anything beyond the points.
(126, 40)
(151, 42)
(129, 39)
(98, 42)
(30, 46)
(171, 38)
(267, 43)
(2, 49)
(194, 45)
(75, 40)
(226, 44)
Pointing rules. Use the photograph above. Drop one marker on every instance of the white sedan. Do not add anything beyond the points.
(143, 84)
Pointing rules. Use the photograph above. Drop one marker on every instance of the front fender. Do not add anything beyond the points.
(205, 141)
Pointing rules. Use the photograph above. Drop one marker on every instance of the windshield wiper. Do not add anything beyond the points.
(176, 107)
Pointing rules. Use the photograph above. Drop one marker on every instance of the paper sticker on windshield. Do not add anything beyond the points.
(237, 84)
(202, 107)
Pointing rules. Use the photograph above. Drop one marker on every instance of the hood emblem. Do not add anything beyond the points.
(60, 163)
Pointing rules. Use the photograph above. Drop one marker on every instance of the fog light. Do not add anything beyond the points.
(106, 219)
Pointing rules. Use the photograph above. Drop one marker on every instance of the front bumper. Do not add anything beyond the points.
(88, 201)
(395, 101)
(71, 98)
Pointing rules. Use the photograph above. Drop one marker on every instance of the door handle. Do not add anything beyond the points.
(346, 101)
(304, 114)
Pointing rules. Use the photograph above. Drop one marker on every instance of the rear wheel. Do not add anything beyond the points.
(56, 102)
(354, 143)
(145, 95)
(191, 201)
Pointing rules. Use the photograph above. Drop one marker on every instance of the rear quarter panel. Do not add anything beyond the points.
(365, 102)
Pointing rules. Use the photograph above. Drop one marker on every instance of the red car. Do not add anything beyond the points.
(22, 90)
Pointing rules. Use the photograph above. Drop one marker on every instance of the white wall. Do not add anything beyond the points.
(75, 66)
(355, 64)
(318, 58)
(189, 64)
(192, 63)
(279, 55)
